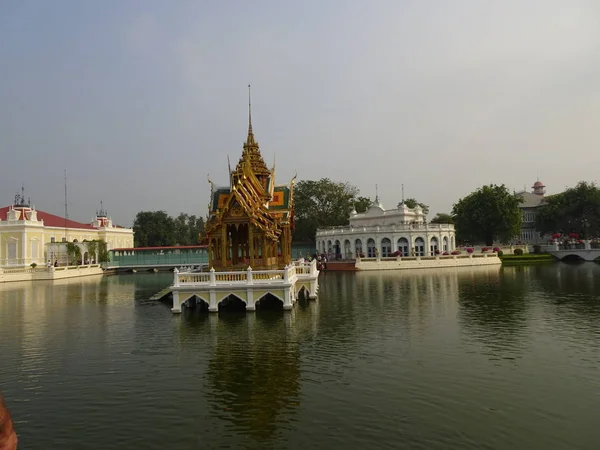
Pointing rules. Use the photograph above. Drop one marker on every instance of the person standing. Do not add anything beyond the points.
(8, 437)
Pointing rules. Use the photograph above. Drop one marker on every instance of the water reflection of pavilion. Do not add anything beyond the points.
(253, 376)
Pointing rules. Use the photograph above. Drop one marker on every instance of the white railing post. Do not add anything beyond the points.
(175, 277)
(249, 275)
(286, 275)
(213, 278)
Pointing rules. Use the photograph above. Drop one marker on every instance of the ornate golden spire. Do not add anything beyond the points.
(251, 152)
(250, 140)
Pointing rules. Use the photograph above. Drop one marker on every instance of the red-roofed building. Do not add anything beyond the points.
(30, 236)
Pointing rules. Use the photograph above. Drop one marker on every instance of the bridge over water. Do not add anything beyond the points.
(167, 258)
(574, 251)
(586, 255)
(159, 258)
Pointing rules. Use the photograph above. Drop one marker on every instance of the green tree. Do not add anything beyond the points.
(320, 204)
(442, 218)
(92, 248)
(154, 228)
(488, 214)
(576, 210)
(102, 251)
(362, 204)
(412, 203)
(181, 229)
(73, 254)
(195, 229)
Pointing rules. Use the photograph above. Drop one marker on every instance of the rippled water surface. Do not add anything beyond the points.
(455, 359)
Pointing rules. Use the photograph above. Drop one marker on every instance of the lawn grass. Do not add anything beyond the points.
(527, 258)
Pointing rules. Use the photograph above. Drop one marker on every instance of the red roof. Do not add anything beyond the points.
(50, 220)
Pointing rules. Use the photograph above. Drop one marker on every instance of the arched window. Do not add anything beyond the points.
(386, 247)
(347, 249)
(358, 250)
(419, 246)
(371, 248)
(433, 246)
(403, 247)
(445, 243)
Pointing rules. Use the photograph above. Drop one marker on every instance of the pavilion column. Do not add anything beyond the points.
(285, 252)
(224, 245)
(235, 242)
(251, 244)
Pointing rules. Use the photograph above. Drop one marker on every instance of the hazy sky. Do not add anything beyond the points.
(140, 100)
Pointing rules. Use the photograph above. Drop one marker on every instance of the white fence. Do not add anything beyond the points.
(213, 278)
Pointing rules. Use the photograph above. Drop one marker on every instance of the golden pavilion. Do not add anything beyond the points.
(250, 222)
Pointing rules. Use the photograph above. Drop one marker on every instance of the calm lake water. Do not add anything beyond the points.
(483, 358)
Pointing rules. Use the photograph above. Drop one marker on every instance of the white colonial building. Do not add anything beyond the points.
(30, 236)
(380, 232)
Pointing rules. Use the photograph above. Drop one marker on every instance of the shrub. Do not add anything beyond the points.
(500, 253)
(33, 265)
(437, 252)
(469, 249)
(497, 249)
(537, 248)
(455, 252)
(518, 251)
(485, 249)
(445, 254)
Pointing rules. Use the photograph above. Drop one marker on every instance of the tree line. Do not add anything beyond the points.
(157, 229)
(489, 214)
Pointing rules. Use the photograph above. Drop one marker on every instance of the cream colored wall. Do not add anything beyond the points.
(71, 233)
(5, 238)
(120, 237)
(117, 237)
(36, 235)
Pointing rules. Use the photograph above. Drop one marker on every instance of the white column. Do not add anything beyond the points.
(314, 286)
(212, 301)
(24, 247)
(287, 304)
(176, 304)
(250, 305)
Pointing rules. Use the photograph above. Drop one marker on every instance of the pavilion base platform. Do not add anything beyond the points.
(248, 285)
(428, 262)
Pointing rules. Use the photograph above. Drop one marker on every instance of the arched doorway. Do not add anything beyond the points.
(403, 246)
(329, 248)
(433, 246)
(358, 250)
(337, 249)
(419, 246)
(386, 247)
(445, 243)
(347, 249)
(371, 248)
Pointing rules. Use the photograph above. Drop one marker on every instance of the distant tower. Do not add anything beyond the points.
(102, 220)
(538, 188)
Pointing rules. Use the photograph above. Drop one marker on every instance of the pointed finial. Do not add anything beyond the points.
(250, 139)
(403, 193)
(249, 110)
(376, 195)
